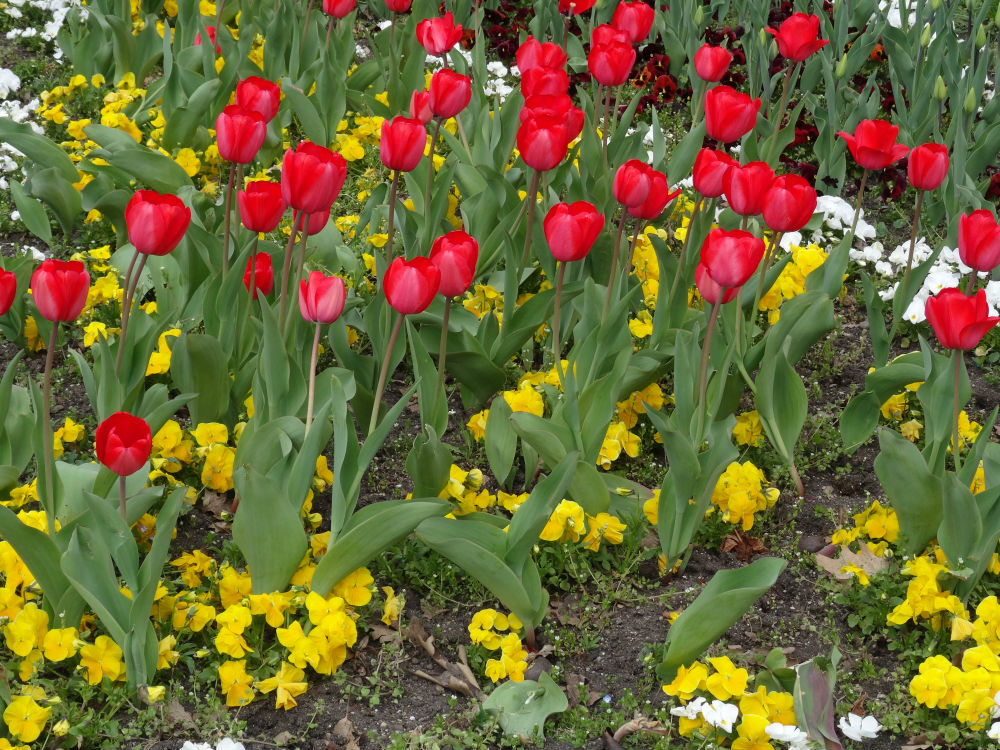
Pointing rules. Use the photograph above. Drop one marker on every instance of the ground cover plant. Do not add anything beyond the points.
(499, 374)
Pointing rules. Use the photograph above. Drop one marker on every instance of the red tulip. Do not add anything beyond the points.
(542, 141)
(745, 185)
(797, 37)
(455, 254)
(873, 144)
(708, 289)
(263, 275)
(550, 81)
(239, 134)
(979, 240)
(571, 229)
(314, 223)
(611, 64)
(156, 223)
(438, 35)
(959, 322)
(398, 6)
(311, 177)
(410, 285)
(339, 8)
(659, 196)
(321, 297)
(261, 205)
(124, 443)
(576, 7)
(710, 169)
(632, 183)
(789, 203)
(605, 33)
(535, 54)
(420, 107)
(402, 144)
(59, 289)
(927, 166)
(259, 95)
(559, 106)
(729, 114)
(731, 257)
(635, 19)
(8, 290)
(450, 93)
(711, 63)
(211, 39)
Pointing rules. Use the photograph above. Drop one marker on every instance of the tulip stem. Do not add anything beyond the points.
(857, 204)
(392, 216)
(127, 296)
(286, 267)
(955, 446)
(765, 265)
(631, 253)
(121, 499)
(253, 268)
(556, 345)
(430, 169)
(905, 284)
(530, 199)
(682, 258)
(228, 217)
(614, 265)
(706, 349)
(442, 352)
(329, 30)
(464, 137)
(305, 25)
(799, 487)
(312, 378)
(48, 458)
(304, 237)
(604, 129)
(384, 374)
(790, 72)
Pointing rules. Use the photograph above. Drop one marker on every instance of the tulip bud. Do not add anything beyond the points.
(981, 37)
(698, 16)
(841, 70)
(762, 35)
(935, 4)
(996, 18)
(970, 102)
(940, 89)
(925, 36)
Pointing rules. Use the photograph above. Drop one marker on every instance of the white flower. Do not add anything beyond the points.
(721, 715)
(859, 728)
(228, 744)
(691, 710)
(994, 731)
(195, 746)
(786, 733)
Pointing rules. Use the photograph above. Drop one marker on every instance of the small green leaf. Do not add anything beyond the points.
(522, 707)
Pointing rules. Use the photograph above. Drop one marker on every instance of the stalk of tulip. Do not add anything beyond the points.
(48, 456)
(956, 448)
(706, 348)
(682, 258)
(235, 175)
(384, 373)
(131, 281)
(614, 266)
(286, 267)
(393, 189)
(430, 166)
(311, 399)
(791, 72)
(530, 199)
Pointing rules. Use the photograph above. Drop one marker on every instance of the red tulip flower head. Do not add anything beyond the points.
(959, 322)
(745, 185)
(314, 223)
(156, 222)
(420, 107)
(927, 166)
(262, 271)
(542, 141)
(632, 183)
(402, 144)
(798, 37)
(611, 64)
(710, 168)
(338, 8)
(559, 106)
(731, 257)
(659, 196)
(259, 95)
(571, 229)
(239, 134)
(729, 114)
(550, 81)
(455, 254)
(575, 7)
(410, 285)
(311, 177)
(438, 35)
(711, 63)
(8, 290)
(873, 144)
(450, 93)
(211, 38)
(979, 240)
(789, 203)
(59, 289)
(398, 6)
(321, 298)
(535, 54)
(635, 19)
(708, 289)
(261, 205)
(124, 443)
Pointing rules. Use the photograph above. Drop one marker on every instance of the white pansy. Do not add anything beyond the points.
(691, 710)
(720, 715)
(994, 731)
(786, 733)
(9, 82)
(227, 744)
(859, 728)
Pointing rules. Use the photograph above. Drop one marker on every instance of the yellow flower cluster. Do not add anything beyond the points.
(646, 269)
(569, 523)
(925, 599)
(970, 689)
(483, 299)
(629, 410)
(740, 492)
(791, 282)
(485, 629)
(879, 524)
(748, 430)
(617, 440)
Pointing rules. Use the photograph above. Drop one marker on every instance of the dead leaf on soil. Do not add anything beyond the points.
(859, 705)
(386, 635)
(637, 724)
(867, 560)
(343, 731)
(215, 503)
(457, 677)
(574, 683)
(179, 716)
(283, 738)
(744, 545)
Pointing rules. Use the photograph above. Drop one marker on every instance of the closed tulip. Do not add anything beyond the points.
(927, 166)
(410, 285)
(398, 6)
(455, 254)
(259, 272)
(710, 168)
(789, 203)
(635, 19)
(314, 223)
(402, 143)
(745, 185)
(420, 106)
(450, 93)
(551, 81)
(259, 95)
(605, 33)
(321, 297)
(575, 7)
(59, 289)
(156, 222)
(711, 63)
(708, 289)
(239, 134)
(8, 290)
(729, 114)
(535, 54)
(438, 35)
(211, 38)
(611, 64)
(311, 177)
(124, 443)
(731, 257)
(959, 322)
(632, 183)
(542, 141)
(261, 205)
(659, 196)
(873, 144)
(571, 229)
(559, 106)
(798, 37)
(979, 240)
(339, 8)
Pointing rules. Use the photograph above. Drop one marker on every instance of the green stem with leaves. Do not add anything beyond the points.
(384, 374)
(706, 350)
(312, 378)
(128, 295)
(227, 219)
(905, 284)
(286, 267)
(530, 198)
(442, 352)
(682, 258)
(956, 449)
(48, 457)
(614, 265)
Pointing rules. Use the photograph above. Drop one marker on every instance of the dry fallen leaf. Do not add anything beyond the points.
(343, 731)
(867, 560)
(744, 545)
(216, 504)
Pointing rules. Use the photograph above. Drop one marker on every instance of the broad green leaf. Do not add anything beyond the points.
(781, 403)
(501, 440)
(87, 563)
(198, 365)
(38, 148)
(522, 707)
(32, 213)
(428, 463)
(912, 490)
(59, 194)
